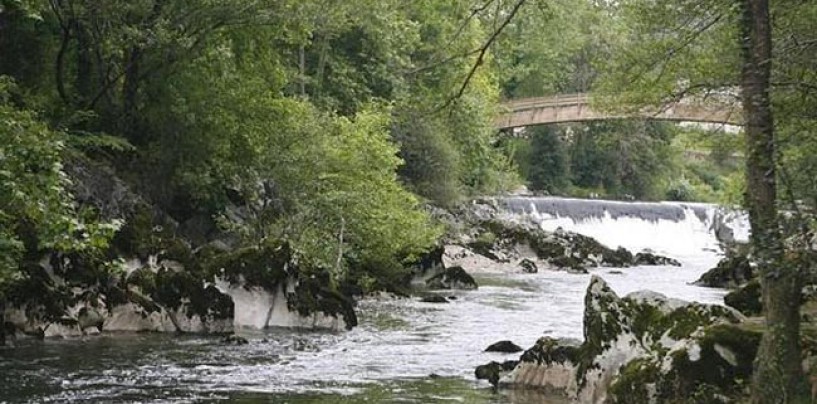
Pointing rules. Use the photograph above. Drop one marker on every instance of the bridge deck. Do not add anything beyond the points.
(564, 108)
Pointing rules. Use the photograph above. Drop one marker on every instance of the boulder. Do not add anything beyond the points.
(730, 272)
(649, 258)
(638, 332)
(452, 278)
(494, 370)
(528, 266)
(746, 299)
(713, 366)
(234, 339)
(505, 346)
(429, 264)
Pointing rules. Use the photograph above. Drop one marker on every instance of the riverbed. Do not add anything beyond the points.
(403, 351)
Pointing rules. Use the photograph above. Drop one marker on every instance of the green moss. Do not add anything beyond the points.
(266, 266)
(548, 351)
(314, 294)
(634, 381)
(178, 250)
(144, 278)
(712, 374)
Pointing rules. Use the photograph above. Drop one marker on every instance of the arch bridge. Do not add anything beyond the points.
(565, 108)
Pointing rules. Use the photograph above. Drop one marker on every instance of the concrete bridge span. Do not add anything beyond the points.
(565, 108)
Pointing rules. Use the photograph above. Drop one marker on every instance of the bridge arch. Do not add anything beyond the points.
(564, 108)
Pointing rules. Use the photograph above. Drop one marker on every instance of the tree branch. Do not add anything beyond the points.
(483, 50)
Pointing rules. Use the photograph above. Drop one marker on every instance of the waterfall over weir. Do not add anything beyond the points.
(672, 228)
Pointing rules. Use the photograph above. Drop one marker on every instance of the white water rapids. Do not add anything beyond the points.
(397, 339)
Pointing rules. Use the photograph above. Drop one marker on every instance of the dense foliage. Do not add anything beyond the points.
(327, 124)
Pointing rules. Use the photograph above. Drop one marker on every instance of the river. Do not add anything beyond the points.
(403, 351)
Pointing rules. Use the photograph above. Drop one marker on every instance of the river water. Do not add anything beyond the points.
(403, 351)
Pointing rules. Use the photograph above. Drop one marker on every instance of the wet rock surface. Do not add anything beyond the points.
(732, 271)
(434, 299)
(452, 278)
(650, 258)
(504, 346)
(528, 266)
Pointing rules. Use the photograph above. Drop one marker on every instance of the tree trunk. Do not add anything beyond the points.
(778, 374)
(84, 81)
(130, 89)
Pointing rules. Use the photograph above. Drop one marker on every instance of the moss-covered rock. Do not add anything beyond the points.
(731, 271)
(650, 258)
(452, 278)
(267, 266)
(430, 263)
(746, 299)
(314, 294)
(625, 342)
(717, 364)
(493, 371)
(636, 382)
(528, 266)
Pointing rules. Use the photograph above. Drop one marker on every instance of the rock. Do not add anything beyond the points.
(615, 272)
(494, 370)
(560, 249)
(618, 332)
(234, 339)
(730, 272)
(504, 346)
(434, 299)
(712, 366)
(746, 299)
(619, 258)
(648, 258)
(429, 264)
(528, 266)
(452, 278)
(90, 317)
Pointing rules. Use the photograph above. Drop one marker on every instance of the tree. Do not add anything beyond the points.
(778, 373)
(724, 49)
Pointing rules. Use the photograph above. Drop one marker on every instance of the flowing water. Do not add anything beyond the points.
(403, 351)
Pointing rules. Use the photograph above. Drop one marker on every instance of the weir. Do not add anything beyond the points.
(674, 228)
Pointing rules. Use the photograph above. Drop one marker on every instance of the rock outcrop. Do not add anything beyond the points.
(175, 290)
(558, 250)
(732, 271)
(746, 299)
(642, 347)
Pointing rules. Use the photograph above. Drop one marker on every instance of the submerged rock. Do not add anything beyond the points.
(234, 339)
(452, 278)
(505, 346)
(528, 266)
(641, 332)
(434, 299)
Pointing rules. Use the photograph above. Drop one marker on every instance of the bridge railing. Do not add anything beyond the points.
(576, 107)
(551, 101)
